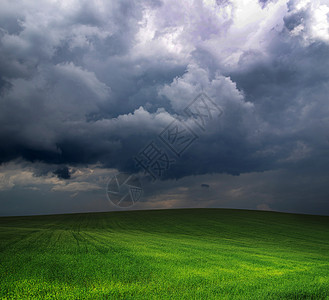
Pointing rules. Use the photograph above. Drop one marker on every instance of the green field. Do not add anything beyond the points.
(165, 254)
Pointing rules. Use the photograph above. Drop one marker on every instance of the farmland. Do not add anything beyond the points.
(165, 254)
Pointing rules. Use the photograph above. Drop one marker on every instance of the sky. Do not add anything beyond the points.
(92, 89)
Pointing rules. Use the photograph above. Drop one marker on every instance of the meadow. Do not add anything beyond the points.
(165, 254)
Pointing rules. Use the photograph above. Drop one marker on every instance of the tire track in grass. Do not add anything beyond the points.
(79, 240)
(105, 248)
(19, 239)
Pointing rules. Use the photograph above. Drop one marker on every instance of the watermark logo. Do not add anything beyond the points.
(202, 109)
(158, 155)
(177, 137)
(124, 190)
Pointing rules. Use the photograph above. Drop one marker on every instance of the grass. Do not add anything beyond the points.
(165, 254)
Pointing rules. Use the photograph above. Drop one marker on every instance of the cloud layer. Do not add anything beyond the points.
(91, 83)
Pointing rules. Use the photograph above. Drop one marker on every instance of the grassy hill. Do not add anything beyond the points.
(165, 254)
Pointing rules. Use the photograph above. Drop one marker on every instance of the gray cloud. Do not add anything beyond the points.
(63, 173)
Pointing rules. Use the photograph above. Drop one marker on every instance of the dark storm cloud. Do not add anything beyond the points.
(63, 173)
(88, 85)
(290, 94)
